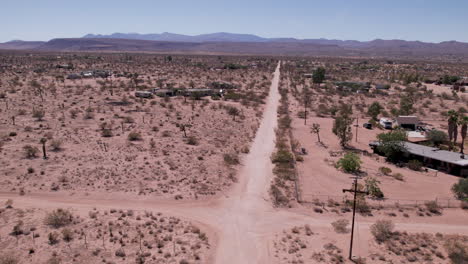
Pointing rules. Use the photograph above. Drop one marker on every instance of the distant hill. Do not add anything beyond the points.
(166, 36)
(228, 43)
(21, 45)
(102, 44)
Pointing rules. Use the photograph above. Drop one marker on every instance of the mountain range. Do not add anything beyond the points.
(229, 43)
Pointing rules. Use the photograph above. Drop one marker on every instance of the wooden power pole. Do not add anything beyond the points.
(355, 191)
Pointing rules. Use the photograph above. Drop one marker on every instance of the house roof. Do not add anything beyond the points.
(433, 153)
(436, 154)
(407, 120)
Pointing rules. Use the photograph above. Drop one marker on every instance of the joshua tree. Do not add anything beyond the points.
(43, 142)
(316, 130)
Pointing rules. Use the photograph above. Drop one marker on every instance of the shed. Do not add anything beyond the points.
(408, 122)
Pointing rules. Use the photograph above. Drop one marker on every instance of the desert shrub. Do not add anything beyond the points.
(457, 249)
(460, 189)
(54, 260)
(56, 144)
(464, 205)
(58, 218)
(415, 165)
(385, 170)
(166, 133)
(88, 115)
(433, 207)
(372, 185)
(382, 230)
(278, 197)
(231, 158)
(53, 238)
(8, 259)
(67, 235)
(38, 114)
(282, 157)
(192, 140)
(31, 170)
(120, 253)
(128, 120)
(134, 136)
(341, 226)
(30, 151)
(284, 122)
(350, 163)
(398, 176)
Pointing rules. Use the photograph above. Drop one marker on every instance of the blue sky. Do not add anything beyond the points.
(425, 20)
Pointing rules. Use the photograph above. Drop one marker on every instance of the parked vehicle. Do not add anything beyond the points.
(386, 123)
(367, 125)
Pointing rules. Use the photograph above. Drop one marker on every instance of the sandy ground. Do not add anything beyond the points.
(242, 225)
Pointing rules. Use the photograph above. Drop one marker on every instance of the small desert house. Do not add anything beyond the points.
(408, 122)
(451, 162)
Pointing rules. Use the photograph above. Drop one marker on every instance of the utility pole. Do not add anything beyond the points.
(357, 126)
(355, 191)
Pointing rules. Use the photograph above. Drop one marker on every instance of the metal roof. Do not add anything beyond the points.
(407, 120)
(437, 154)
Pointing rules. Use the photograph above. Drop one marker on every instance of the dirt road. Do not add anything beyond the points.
(243, 222)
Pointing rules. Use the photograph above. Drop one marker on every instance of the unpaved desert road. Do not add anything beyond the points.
(243, 222)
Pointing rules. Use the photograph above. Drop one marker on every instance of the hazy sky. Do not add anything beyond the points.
(425, 20)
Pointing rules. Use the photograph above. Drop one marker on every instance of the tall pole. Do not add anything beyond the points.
(352, 225)
(357, 126)
(355, 191)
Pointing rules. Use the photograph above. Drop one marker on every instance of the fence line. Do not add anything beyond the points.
(388, 203)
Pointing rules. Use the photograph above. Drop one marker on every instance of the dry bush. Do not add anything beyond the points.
(134, 136)
(279, 199)
(30, 151)
(58, 218)
(398, 176)
(8, 259)
(56, 144)
(341, 226)
(192, 141)
(382, 230)
(38, 114)
(433, 207)
(385, 170)
(231, 158)
(457, 249)
(53, 238)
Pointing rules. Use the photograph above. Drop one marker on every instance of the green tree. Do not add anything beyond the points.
(406, 105)
(437, 137)
(350, 163)
(318, 76)
(372, 186)
(342, 125)
(460, 189)
(374, 110)
(391, 144)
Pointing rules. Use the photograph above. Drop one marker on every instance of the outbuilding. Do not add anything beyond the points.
(408, 122)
